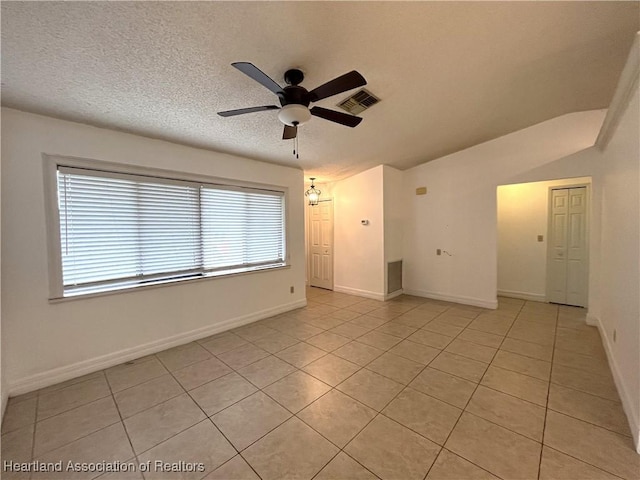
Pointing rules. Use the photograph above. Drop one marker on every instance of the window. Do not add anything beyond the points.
(123, 230)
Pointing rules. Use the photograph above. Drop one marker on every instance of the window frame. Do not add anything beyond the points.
(51, 163)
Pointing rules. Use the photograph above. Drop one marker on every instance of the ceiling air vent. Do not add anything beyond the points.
(359, 102)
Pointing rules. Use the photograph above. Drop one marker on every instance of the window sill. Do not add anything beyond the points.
(164, 283)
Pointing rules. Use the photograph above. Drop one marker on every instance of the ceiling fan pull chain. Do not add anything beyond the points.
(296, 149)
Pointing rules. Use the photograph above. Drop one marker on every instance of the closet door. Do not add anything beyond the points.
(567, 255)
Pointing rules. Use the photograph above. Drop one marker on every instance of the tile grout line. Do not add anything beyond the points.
(295, 415)
(36, 397)
(35, 425)
(545, 424)
(464, 409)
(72, 408)
(355, 460)
(207, 417)
(341, 449)
(379, 413)
(239, 452)
(442, 447)
(124, 427)
(62, 413)
(584, 371)
(292, 415)
(405, 386)
(588, 422)
(568, 415)
(80, 437)
(546, 409)
(521, 373)
(583, 461)
(453, 453)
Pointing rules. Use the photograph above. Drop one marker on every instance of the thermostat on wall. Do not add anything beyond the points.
(364, 222)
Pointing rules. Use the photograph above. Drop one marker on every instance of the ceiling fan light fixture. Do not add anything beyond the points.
(294, 114)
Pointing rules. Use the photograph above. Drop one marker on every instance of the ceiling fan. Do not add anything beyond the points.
(295, 99)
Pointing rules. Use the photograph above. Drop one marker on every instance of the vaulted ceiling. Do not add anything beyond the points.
(449, 74)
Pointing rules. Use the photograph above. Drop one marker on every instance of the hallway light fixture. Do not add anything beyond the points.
(313, 193)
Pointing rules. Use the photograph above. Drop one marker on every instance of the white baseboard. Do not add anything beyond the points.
(395, 294)
(360, 293)
(592, 321)
(627, 404)
(367, 293)
(476, 302)
(60, 374)
(534, 297)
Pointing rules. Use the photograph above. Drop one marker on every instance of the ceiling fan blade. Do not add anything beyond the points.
(259, 76)
(338, 117)
(242, 111)
(338, 85)
(289, 132)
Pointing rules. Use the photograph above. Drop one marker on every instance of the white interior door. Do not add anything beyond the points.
(321, 244)
(567, 254)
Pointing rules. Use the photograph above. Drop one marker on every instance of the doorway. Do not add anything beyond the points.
(567, 254)
(320, 244)
(525, 242)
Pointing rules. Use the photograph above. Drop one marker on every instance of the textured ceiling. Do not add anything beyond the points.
(450, 74)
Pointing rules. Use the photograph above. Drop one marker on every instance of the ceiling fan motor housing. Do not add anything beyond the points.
(295, 94)
(295, 101)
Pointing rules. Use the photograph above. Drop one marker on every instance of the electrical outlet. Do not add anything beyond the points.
(438, 252)
(291, 289)
(540, 238)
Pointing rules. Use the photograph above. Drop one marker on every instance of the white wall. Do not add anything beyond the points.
(393, 211)
(459, 212)
(522, 216)
(47, 342)
(618, 306)
(359, 249)
(393, 216)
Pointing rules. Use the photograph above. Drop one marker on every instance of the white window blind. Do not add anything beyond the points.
(120, 231)
(241, 228)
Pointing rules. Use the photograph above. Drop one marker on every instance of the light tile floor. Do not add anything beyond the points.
(348, 388)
